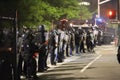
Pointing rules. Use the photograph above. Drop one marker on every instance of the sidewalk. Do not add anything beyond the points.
(66, 60)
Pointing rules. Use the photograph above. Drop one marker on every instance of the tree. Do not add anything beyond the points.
(36, 12)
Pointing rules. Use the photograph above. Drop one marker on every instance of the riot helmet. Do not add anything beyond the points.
(41, 28)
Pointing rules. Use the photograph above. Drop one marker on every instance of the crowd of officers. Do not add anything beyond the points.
(41, 44)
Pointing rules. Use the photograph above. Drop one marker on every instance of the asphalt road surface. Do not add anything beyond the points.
(101, 65)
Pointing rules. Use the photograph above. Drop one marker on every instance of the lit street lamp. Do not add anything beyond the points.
(84, 3)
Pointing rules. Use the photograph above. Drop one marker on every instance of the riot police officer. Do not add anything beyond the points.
(52, 44)
(82, 39)
(28, 50)
(42, 49)
(77, 41)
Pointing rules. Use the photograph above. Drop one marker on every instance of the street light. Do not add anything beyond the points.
(84, 3)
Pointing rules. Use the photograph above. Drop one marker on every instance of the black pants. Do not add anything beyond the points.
(5, 71)
(30, 67)
(52, 57)
(67, 54)
(42, 60)
(118, 55)
(82, 48)
(20, 62)
(90, 46)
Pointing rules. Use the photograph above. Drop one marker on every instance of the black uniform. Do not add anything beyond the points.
(99, 38)
(6, 65)
(118, 54)
(77, 41)
(52, 48)
(28, 50)
(82, 38)
(88, 42)
(42, 51)
(20, 59)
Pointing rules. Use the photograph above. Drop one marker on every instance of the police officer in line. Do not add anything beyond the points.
(22, 33)
(77, 42)
(42, 61)
(6, 47)
(52, 44)
(19, 56)
(62, 44)
(57, 38)
(58, 57)
(71, 42)
(88, 41)
(28, 50)
(99, 38)
(67, 41)
(82, 38)
(21, 36)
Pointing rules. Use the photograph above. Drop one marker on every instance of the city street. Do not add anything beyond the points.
(101, 65)
(59, 39)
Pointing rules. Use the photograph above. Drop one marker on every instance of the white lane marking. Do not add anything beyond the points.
(58, 65)
(73, 58)
(84, 68)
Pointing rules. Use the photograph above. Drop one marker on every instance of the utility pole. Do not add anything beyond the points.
(118, 16)
(15, 60)
(98, 8)
(99, 3)
(118, 32)
(14, 56)
(118, 9)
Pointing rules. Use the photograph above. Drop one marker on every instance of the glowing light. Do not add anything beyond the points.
(84, 3)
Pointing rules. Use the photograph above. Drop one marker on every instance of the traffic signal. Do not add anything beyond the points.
(112, 14)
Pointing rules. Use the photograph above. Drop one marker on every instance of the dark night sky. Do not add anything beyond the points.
(104, 8)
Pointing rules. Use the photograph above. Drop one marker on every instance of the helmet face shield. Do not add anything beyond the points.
(41, 28)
